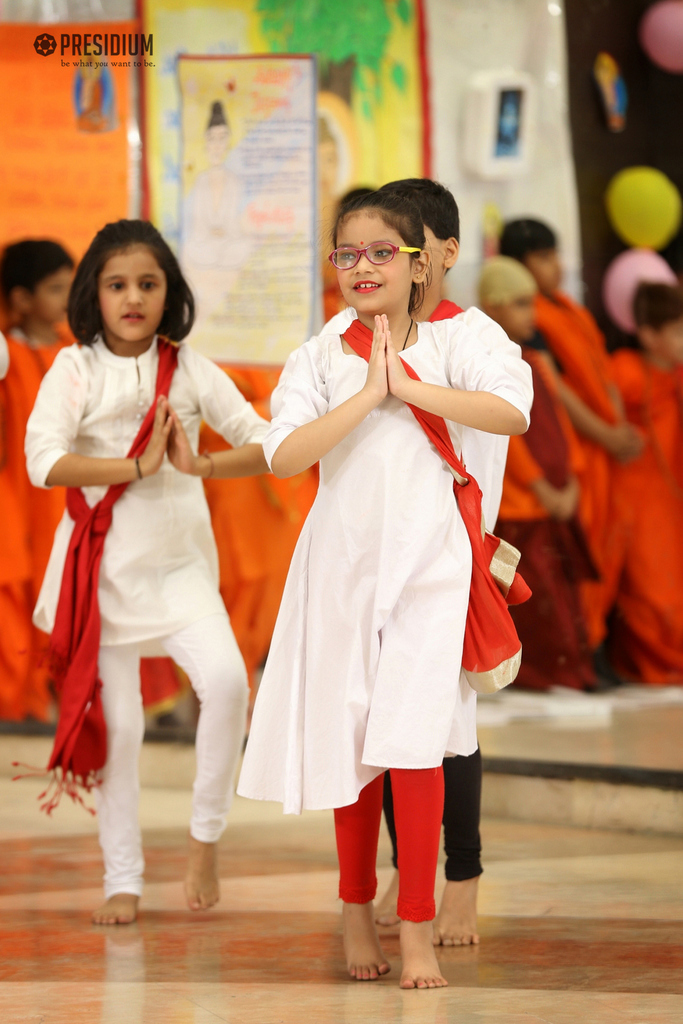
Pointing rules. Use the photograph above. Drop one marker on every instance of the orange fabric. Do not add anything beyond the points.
(30, 518)
(256, 522)
(579, 347)
(518, 501)
(647, 642)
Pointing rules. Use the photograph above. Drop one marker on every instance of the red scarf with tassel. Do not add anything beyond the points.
(491, 651)
(80, 747)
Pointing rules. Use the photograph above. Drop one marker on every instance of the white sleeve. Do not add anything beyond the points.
(337, 325)
(304, 397)
(221, 403)
(53, 425)
(4, 357)
(278, 392)
(486, 360)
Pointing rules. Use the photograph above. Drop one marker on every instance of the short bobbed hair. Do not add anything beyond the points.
(398, 213)
(85, 318)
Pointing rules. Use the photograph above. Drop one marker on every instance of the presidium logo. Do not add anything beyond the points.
(97, 44)
(45, 44)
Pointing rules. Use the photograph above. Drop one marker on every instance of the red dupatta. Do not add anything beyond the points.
(492, 652)
(80, 747)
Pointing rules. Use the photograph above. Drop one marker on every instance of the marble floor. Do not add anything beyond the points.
(636, 726)
(578, 926)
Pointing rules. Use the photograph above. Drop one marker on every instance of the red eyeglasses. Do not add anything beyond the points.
(347, 256)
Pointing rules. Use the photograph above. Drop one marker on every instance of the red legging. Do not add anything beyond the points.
(418, 810)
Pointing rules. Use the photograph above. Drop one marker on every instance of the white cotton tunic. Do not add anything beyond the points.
(484, 455)
(364, 670)
(159, 570)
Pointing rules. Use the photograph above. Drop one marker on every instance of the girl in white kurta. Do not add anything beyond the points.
(364, 668)
(158, 582)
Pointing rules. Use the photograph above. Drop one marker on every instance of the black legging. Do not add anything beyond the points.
(461, 812)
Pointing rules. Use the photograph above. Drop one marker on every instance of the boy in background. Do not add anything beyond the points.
(646, 641)
(35, 277)
(589, 393)
(540, 500)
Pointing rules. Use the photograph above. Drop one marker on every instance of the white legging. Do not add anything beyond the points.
(208, 653)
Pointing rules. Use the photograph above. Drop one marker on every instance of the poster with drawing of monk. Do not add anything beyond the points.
(247, 227)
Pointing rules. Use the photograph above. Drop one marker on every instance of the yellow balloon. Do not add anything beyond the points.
(644, 207)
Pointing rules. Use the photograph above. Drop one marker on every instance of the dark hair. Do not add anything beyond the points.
(217, 117)
(523, 236)
(655, 305)
(436, 203)
(355, 193)
(25, 264)
(85, 318)
(397, 213)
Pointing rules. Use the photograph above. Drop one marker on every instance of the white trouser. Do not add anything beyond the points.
(207, 651)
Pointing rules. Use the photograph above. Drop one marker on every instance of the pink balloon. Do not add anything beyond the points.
(622, 278)
(661, 35)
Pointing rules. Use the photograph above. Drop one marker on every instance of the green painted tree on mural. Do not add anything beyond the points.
(349, 38)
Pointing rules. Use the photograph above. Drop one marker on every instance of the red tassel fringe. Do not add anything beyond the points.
(60, 783)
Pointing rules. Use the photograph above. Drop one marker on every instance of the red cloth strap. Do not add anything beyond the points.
(490, 635)
(80, 747)
(446, 310)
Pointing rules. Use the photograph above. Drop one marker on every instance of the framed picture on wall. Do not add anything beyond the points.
(499, 124)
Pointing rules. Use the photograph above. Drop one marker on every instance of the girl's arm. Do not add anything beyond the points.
(479, 409)
(82, 471)
(307, 444)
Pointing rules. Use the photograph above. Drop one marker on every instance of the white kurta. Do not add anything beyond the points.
(159, 569)
(364, 671)
(483, 454)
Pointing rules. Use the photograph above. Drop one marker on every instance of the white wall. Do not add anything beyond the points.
(466, 36)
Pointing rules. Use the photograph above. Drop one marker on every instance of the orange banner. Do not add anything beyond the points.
(64, 121)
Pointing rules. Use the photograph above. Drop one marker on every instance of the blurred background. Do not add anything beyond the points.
(237, 127)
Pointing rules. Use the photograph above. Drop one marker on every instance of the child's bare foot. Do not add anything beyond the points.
(364, 957)
(456, 922)
(119, 909)
(202, 888)
(420, 967)
(385, 912)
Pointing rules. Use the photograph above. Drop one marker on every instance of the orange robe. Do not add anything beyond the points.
(554, 554)
(256, 522)
(647, 638)
(578, 345)
(29, 520)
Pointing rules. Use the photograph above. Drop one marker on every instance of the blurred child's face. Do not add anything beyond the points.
(517, 318)
(545, 267)
(373, 288)
(132, 296)
(664, 344)
(47, 302)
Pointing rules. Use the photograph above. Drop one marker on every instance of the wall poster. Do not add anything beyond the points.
(247, 232)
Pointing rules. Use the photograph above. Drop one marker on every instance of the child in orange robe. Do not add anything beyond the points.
(591, 398)
(256, 523)
(35, 276)
(647, 636)
(540, 500)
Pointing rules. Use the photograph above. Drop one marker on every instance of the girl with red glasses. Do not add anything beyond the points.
(364, 672)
